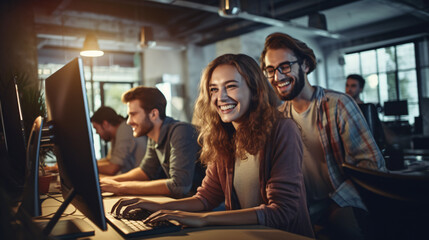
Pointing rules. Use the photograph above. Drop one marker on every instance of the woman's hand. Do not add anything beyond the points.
(128, 204)
(186, 218)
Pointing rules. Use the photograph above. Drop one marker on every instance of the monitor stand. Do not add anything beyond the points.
(64, 229)
(71, 228)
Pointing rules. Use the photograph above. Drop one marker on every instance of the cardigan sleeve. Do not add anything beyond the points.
(210, 193)
(286, 207)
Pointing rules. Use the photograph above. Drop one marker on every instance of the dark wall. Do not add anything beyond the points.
(18, 46)
(18, 57)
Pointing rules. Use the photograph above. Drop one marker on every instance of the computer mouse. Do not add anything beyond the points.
(137, 214)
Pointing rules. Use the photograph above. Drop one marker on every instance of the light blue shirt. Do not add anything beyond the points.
(127, 151)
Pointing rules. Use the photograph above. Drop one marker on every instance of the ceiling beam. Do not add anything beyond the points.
(266, 21)
(414, 31)
(303, 8)
(235, 30)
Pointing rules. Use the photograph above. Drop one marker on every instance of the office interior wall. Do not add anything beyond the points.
(197, 59)
(158, 62)
(335, 70)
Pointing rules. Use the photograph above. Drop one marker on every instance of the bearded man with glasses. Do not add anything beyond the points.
(333, 131)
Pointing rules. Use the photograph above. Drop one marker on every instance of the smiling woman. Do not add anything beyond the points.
(253, 156)
(230, 94)
(234, 79)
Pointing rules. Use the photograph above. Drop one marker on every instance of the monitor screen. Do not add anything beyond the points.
(68, 113)
(396, 108)
(12, 140)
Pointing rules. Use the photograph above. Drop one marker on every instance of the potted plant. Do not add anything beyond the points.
(33, 105)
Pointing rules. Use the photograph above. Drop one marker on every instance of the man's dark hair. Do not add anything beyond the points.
(301, 50)
(150, 98)
(358, 78)
(107, 114)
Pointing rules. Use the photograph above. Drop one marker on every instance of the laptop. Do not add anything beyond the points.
(136, 228)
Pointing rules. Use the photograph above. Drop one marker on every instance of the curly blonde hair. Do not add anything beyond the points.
(220, 140)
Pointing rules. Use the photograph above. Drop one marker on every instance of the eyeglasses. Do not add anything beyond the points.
(283, 68)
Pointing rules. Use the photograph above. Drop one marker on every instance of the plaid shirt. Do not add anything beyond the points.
(345, 137)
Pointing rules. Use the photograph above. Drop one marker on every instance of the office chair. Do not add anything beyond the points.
(398, 204)
(393, 154)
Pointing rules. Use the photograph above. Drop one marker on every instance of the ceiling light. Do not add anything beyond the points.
(229, 8)
(146, 37)
(90, 47)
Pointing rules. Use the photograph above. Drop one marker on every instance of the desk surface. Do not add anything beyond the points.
(248, 232)
(418, 152)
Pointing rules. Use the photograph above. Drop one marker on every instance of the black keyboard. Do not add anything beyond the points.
(132, 224)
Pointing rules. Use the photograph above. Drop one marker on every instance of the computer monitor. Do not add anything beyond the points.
(370, 113)
(30, 203)
(68, 114)
(12, 140)
(396, 108)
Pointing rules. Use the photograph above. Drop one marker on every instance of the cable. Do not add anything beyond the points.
(49, 216)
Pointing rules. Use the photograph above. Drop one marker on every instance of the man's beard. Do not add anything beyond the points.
(296, 90)
(107, 137)
(354, 96)
(146, 127)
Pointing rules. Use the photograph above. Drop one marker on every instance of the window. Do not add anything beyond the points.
(109, 84)
(390, 74)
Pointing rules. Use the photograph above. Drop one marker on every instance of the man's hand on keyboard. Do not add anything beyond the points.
(110, 185)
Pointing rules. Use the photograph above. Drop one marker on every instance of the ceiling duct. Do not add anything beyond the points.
(250, 17)
(317, 20)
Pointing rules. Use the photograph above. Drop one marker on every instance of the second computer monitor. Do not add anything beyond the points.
(396, 108)
(68, 112)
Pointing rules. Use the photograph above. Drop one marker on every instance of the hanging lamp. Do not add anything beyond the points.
(90, 47)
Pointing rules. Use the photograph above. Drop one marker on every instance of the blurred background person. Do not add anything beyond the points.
(354, 87)
(170, 166)
(126, 151)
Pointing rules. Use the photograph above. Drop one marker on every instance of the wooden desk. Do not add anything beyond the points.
(248, 232)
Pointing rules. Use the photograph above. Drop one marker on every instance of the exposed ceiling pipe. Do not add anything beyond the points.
(404, 5)
(250, 17)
